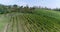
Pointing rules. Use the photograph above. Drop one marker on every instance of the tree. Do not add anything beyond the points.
(26, 8)
(15, 7)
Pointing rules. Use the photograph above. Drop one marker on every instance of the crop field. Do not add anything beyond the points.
(40, 21)
(29, 16)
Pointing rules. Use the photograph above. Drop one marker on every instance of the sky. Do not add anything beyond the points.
(43, 3)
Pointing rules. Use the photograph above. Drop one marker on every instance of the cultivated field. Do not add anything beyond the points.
(39, 21)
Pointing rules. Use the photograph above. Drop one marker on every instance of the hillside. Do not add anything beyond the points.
(38, 21)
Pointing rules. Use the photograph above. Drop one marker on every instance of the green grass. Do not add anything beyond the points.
(3, 22)
(49, 13)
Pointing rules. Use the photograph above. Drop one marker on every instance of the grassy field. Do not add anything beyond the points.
(39, 21)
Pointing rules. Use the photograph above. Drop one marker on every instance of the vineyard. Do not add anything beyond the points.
(25, 22)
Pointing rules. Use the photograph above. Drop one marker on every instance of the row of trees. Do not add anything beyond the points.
(22, 9)
(16, 8)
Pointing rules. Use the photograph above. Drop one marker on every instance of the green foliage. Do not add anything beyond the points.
(57, 9)
(16, 8)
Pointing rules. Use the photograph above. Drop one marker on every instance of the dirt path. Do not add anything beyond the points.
(7, 26)
(5, 30)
